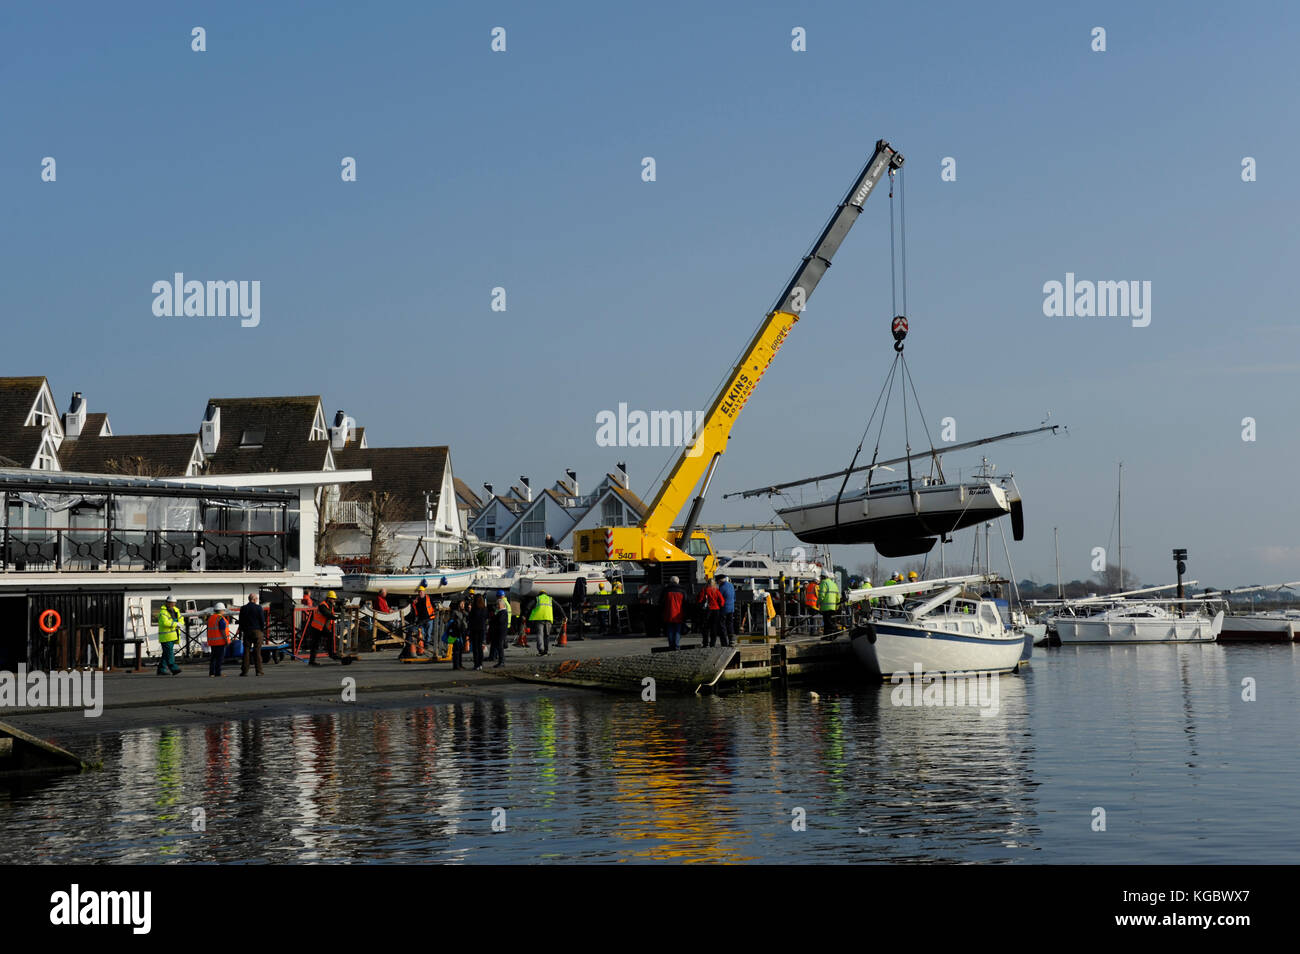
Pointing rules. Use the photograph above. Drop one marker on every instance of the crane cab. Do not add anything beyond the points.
(692, 563)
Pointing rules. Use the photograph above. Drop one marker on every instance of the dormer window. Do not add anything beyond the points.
(46, 458)
(42, 412)
(318, 429)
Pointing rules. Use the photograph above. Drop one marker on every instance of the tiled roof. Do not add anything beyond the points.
(629, 498)
(285, 423)
(147, 455)
(466, 495)
(17, 395)
(94, 424)
(405, 472)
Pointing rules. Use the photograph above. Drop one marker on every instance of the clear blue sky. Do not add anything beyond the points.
(522, 170)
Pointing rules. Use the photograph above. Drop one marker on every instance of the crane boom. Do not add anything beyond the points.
(739, 387)
(657, 539)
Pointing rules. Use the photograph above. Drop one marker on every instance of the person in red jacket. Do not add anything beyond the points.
(672, 610)
(712, 601)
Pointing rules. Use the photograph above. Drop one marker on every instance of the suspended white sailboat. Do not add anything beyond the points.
(902, 518)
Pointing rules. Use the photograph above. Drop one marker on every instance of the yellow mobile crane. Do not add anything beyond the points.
(686, 551)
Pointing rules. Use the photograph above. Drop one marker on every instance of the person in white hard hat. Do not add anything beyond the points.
(218, 638)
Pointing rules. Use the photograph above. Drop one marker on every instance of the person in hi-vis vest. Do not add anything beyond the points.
(321, 629)
(170, 624)
(218, 638)
(541, 617)
(828, 601)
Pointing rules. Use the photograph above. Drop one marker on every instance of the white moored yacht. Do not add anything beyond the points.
(948, 631)
(1139, 621)
(764, 570)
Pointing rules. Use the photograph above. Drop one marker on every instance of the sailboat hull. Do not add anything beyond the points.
(406, 584)
(898, 521)
(903, 648)
(1105, 628)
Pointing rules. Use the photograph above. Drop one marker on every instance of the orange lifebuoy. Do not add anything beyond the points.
(58, 621)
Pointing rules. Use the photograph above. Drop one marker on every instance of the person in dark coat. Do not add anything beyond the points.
(252, 630)
(478, 621)
(499, 628)
(579, 598)
(459, 631)
(728, 592)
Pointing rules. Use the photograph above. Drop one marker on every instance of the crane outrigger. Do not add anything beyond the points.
(686, 551)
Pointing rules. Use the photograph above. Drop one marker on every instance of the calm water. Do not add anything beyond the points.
(1158, 736)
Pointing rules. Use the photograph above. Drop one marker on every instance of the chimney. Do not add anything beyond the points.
(210, 431)
(573, 482)
(622, 473)
(75, 419)
(528, 489)
(344, 430)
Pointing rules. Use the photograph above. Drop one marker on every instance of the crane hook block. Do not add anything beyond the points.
(899, 328)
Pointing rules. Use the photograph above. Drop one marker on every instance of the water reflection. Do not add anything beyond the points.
(600, 778)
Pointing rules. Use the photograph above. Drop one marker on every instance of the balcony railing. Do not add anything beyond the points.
(349, 512)
(142, 551)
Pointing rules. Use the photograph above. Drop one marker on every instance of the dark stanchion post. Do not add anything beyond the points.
(1180, 564)
(780, 583)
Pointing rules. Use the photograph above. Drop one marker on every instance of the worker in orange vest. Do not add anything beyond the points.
(810, 597)
(218, 638)
(426, 618)
(322, 627)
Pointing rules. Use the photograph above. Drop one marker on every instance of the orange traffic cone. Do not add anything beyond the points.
(564, 632)
(523, 637)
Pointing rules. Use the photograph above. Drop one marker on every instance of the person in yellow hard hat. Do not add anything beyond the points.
(602, 605)
(171, 624)
(912, 577)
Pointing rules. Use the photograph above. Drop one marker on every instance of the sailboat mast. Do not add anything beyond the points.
(1120, 522)
(1056, 537)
